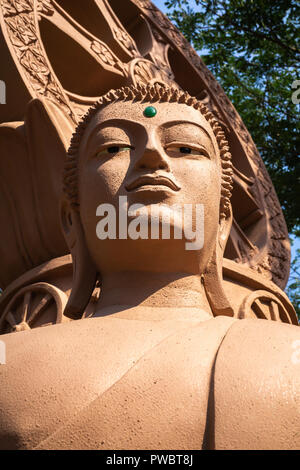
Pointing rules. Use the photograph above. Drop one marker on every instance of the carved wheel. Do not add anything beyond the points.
(36, 305)
(264, 305)
(118, 43)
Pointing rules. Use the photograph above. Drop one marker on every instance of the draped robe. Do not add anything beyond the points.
(118, 383)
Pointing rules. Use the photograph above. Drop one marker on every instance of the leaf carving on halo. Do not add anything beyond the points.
(8, 8)
(22, 29)
(12, 7)
(102, 51)
(145, 72)
(45, 7)
(125, 40)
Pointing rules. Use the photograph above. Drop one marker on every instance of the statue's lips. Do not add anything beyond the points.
(152, 181)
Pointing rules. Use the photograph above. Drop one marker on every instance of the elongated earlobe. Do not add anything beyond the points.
(84, 271)
(213, 276)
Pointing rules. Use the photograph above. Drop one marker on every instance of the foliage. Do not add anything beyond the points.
(252, 47)
(293, 288)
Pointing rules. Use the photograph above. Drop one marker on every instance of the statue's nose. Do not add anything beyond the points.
(153, 158)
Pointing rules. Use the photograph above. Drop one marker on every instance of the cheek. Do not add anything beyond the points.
(200, 182)
(98, 184)
(101, 182)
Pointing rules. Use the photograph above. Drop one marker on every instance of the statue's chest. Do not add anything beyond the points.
(120, 394)
(161, 402)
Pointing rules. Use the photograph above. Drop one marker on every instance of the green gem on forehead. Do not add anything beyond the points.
(150, 111)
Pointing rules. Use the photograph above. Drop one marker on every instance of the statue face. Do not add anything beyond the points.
(169, 158)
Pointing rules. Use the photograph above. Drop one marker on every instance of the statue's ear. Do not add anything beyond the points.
(224, 231)
(84, 271)
(49, 133)
(213, 276)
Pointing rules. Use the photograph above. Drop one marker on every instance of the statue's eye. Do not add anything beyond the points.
(185, 150)
(178, 150)
(114, 149)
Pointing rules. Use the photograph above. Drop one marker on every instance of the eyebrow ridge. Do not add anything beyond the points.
(114, 121)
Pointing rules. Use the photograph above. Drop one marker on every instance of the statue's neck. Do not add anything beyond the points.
(154, 295)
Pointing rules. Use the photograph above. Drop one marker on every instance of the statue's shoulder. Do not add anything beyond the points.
(257, 386)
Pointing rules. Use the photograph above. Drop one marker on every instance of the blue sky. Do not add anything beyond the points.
(161, 6)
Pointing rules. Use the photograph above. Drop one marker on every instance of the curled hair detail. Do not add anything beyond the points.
(152, 94)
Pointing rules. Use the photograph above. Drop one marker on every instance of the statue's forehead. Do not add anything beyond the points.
(172, 121)
(166, 114)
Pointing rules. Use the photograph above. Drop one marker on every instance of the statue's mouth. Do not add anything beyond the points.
(152, 181)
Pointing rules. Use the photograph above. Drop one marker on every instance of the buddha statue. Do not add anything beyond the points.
(163, 363)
